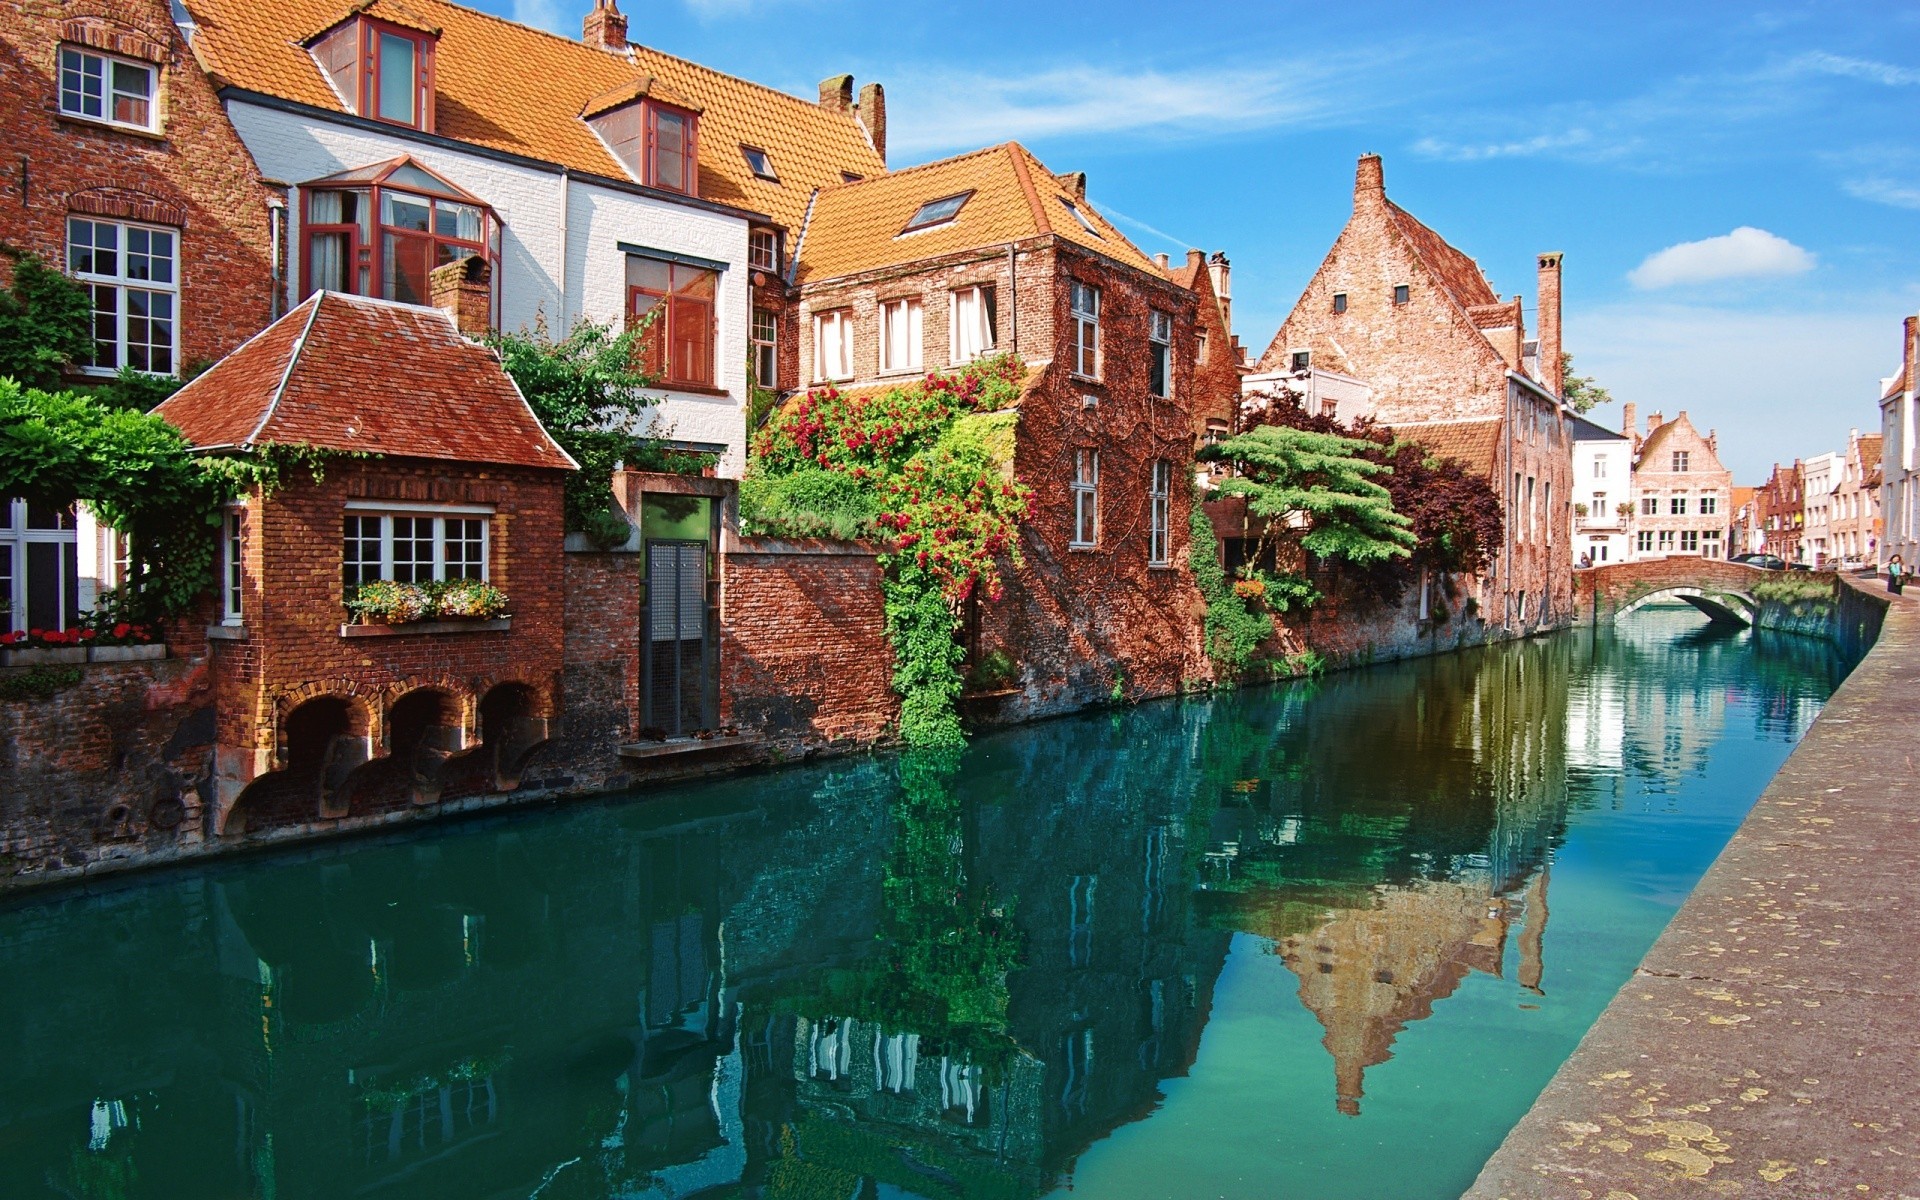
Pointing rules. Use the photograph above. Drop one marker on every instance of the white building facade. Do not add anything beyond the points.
(1821, 475)
(1602, 493)
(1899, 466)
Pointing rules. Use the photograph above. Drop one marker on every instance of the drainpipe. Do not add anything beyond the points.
(1013, 301)
(276, 236)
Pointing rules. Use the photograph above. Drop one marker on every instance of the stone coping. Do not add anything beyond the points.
(1765, 1046)
(733, 543)
(366, 631)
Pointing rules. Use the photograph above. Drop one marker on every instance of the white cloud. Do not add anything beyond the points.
(542, 14)
(1822, 63)
(1532, 147)
(1746, 253)
(1776, 384)
(1884, 191)
(1115, 214)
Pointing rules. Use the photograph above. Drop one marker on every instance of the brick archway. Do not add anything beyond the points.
(1720, 589)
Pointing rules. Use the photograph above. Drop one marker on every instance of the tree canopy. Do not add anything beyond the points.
(1580, 392)
(1317, 487)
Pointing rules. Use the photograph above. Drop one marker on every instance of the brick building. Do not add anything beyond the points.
(1900, 452)
(1747, 532)
(1218, 359)
(1782, 515)
(1449, 364)
(1682, 496)
(990, 252)
(436, 469)
(1854, 522)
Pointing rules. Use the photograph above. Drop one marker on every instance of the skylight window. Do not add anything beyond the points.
(937, 212)
(1082, 218)
(760, 163)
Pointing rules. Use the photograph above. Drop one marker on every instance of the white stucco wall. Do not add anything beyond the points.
(541, 211)
(1602, 467)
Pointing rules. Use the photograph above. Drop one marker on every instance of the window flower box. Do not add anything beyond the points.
(120, 654)
(42, 656)
(386, 602)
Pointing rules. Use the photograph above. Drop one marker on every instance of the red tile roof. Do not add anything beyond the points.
(350, 373)
(1456, 272)
(1475, 442)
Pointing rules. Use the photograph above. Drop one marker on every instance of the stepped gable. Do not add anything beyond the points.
(512, 88)
(1011, 196)
(355, 374)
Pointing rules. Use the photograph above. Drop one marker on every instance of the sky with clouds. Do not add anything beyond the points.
(1736, 188)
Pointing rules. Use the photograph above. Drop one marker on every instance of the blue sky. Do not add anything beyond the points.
(1781, 139)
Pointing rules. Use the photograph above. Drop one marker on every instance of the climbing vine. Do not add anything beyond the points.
(925, 466)
(1234, 630)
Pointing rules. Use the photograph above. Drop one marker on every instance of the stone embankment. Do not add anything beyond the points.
(1765, 1046)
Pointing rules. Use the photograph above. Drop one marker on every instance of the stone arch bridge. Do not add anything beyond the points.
(1720, 589)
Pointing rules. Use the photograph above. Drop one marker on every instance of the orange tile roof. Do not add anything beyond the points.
(857, 226)
(1460, 275)
(512, 88)
(348, 373)
(1475, 443)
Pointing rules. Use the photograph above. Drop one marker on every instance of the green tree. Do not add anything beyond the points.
(46, 323)
(1317, 491)
(1580, 392)
(589, 391)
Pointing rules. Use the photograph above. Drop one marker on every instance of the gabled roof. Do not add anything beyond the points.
(519, 90)
(1010, 196)
(351, 373)
(1583, 430)
(1460, 275)
(1894, 386)
(1665, 430)
(1872, 447)
(1474, 442)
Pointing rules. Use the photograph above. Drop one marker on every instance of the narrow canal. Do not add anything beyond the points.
(1325, 940)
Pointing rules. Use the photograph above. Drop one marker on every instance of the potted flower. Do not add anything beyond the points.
(386, 602)
(123, 641)
(1581, 510)
(45, 647)
(469, 600)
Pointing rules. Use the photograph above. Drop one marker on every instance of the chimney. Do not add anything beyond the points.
(1713, 442)
(1629, 414)
(872, 113)
(1163, 262)
(1222, 272)
(1553, 375)
(605, 27)
(836, 94)
(1075, 182)
(1912, 354)
(1654, 421)
(1369, 182)
(464, 289)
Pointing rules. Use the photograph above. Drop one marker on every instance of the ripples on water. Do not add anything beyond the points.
(1323, 940)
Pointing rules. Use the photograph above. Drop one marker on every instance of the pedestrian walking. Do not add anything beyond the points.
(1896, 575)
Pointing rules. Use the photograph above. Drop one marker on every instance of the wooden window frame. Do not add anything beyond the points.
(689, 183)
(107, 89)
(677, 308)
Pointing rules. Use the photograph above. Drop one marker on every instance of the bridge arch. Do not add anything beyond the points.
(1722, 590)
(1719, 604)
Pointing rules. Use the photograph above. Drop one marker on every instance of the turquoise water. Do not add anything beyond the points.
(1325, 940)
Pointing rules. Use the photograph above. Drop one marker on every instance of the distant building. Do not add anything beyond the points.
(1682, 495)
(1746, 533)
(1855, 521)
(1819, 476)
(1781, 514)
(1900, 464)
(1602, 492)
(1396, 309)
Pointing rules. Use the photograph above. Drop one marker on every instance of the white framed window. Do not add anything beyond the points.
(1709, 504)
(766, 349)
(132, 275)
(1710, 544)
(1677, 506)
(1680, 459)
(1085, 488)
(1690, 541)
(1083, 303)
(232, 564)
(1649, 506)
(39, 566)
(410, 545)
(1600, 467)
(1645, 541)
(763, 250)
(1160, 353)
(1200, 347)
(96, 87)
(1666, 541)
(760, 163)
(901, 325)
(833, 345)
(1159, 512)
(972, 320)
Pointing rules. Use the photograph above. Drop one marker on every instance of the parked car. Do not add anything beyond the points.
(1766, 562)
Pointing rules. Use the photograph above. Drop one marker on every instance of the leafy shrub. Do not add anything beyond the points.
(810, 502)
(608, 530)
(40, 683)
(1233, 630)
(993, 671)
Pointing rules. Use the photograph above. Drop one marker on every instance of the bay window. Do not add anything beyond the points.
(409, 545)
(131, 274)
(901, 327)
(832, 346)
(1160, 354)
(678, 301)
(96, 87)
(1083, 305)
(380, 70)
(1085, 490)
(381, 230)
(972, 318)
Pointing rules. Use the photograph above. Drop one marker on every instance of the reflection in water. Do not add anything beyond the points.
(940, 977)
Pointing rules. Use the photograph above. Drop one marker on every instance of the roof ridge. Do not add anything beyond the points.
(895, 174)
(293, 357)
(1015, 153)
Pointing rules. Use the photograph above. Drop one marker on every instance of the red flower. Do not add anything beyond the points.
(122, 629)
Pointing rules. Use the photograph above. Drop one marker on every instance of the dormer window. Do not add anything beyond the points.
(1082, 218)
(657, 143)
(936, 212)
(380, 230)
(381, 70)
(760, 163)
(95, 87)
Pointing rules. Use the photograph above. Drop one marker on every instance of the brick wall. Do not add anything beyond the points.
(193, 175)
(804, 658)
(110, 769)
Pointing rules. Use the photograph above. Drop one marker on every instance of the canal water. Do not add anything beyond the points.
(1322, 940)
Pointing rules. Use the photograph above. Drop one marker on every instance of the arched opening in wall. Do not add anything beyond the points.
(424, 729)
(513, 726)
(321, 742)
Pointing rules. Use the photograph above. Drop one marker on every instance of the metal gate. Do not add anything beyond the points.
(677, 686)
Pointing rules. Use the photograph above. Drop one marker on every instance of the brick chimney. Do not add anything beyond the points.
(836, 94)
(872, 113)
(1369, 183)
(1911, 358)
(1222, 272)
(1629, 414)
(1553, 374)
(605, 27)
(1654, 421)
(1075, 182)
(464, 289)
(1163, 261)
